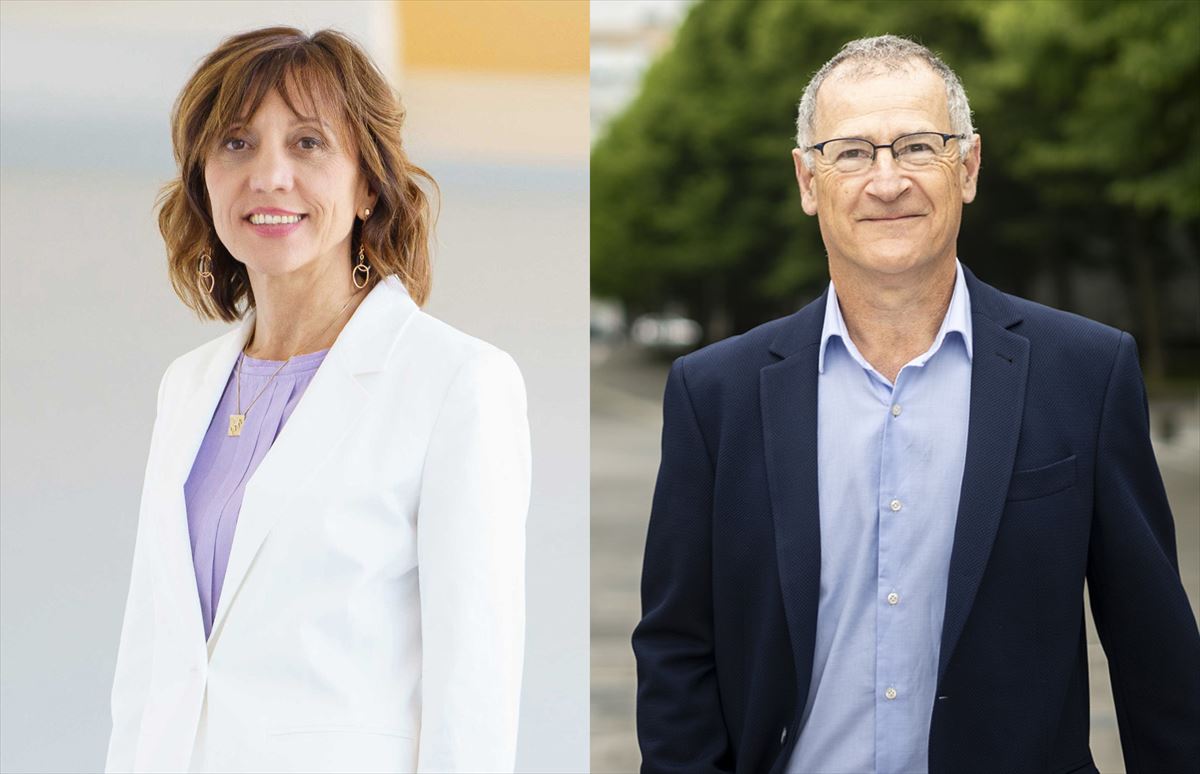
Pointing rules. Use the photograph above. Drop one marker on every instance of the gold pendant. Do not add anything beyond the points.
(235, 423)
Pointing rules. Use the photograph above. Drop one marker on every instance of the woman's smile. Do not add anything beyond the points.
(275, 225)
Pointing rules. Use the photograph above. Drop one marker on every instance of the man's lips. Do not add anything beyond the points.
(891, 218)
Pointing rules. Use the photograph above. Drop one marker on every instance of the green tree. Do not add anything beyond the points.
(1091, 138)
(1114, 165)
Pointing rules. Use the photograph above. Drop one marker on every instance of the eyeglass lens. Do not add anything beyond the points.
(911, 152)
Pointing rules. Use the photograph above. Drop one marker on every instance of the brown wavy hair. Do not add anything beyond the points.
(329, 73)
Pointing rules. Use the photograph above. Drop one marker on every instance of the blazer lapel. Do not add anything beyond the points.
(788, 393)
(998, 374)
(199, 384)
(329, 409)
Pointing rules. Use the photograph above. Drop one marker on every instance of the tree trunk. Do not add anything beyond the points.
(1060, 273)
(1146, 303)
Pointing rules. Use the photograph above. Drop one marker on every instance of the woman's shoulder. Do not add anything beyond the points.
(464, 363)
(198, 357)
(450, 346)
(189, 367)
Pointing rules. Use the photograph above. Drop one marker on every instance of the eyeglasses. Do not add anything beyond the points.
(911, 151)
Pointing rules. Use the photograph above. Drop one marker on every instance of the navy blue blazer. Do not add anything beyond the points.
(1060, 484)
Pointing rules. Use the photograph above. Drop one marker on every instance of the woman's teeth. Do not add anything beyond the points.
(270, 220)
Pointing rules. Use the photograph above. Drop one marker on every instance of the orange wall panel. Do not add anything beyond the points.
(496, 36)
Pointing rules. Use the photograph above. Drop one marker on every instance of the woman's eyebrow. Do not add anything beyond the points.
(309, 120)
(296, 121)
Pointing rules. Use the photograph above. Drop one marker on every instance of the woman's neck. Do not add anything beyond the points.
(295, 318)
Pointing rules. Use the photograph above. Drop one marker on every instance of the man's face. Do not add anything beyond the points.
(887, 220)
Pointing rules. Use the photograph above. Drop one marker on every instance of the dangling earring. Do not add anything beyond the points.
(206, 279)
(361, 266)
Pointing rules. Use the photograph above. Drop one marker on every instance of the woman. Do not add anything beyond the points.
(333, 583)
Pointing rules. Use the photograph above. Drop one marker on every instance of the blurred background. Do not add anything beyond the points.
(1089, 201)
(496, 94)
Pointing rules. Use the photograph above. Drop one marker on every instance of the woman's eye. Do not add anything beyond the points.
(306, 143)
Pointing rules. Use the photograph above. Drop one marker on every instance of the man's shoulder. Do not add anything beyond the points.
(735, 362)
(1062, 335)
(1067, 351)
(1059, 330)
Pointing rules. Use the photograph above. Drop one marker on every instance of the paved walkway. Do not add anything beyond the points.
(626, 423)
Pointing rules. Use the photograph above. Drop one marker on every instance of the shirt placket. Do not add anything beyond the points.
(892, 505)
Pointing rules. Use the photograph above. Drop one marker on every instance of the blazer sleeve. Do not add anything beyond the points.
(679, 718)
(1138, 602)
(131, 680)
(471, 565)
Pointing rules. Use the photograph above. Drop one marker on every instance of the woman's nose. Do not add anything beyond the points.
(271, 171)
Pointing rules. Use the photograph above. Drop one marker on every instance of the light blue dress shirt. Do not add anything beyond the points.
(889, 473)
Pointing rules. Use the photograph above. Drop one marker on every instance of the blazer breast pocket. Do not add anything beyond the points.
(1042, 481)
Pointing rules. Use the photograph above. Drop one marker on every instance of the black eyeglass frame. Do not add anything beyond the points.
(820, 147)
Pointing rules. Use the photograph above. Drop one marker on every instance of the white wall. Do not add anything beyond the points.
(85, 94)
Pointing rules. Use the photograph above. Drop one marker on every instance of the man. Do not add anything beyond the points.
(874, 518)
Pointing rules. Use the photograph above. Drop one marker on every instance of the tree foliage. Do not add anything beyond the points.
(1088, 111)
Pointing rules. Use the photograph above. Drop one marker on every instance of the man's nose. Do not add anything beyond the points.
(888, 181)
(272, 170)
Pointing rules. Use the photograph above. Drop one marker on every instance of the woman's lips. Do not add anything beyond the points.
(276, 229)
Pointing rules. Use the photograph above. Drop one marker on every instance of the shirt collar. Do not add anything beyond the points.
(957, 319)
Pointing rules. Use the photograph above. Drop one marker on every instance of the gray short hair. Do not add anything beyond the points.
(888, 52)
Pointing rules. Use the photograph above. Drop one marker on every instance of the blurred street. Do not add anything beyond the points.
(626, 422)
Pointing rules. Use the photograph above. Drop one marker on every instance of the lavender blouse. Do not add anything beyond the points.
(224, 463)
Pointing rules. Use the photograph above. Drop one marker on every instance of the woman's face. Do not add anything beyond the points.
(281, 163)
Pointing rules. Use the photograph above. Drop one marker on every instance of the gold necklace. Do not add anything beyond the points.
(237, 420)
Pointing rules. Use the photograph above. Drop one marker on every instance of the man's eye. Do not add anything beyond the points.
(854, 153)
(918, 147)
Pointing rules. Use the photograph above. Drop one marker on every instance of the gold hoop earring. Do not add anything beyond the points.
(206, 279)
(361, 266)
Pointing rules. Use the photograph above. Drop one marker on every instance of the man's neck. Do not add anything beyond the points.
(893, 319)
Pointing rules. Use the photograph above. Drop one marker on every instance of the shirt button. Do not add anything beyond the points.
(896, 410)
(893, 598)
(895, 505)
(890, 693)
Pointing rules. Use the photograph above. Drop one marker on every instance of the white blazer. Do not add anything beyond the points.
(372, 614)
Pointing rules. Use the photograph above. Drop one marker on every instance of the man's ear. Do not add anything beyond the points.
(969, 171)
(804, 178)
